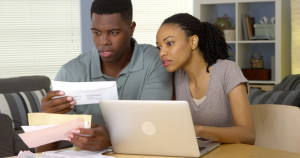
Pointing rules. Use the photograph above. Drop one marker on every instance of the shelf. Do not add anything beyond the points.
(252, 41)
(273, 51)
(258, 41)
(261, 82)
(230, 42)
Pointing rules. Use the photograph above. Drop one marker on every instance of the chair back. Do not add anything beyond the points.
(277, 126)
(24, 83)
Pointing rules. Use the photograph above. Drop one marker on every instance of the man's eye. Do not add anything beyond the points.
(170, 43)
(114, 33)
(97, 33)
(158, 47)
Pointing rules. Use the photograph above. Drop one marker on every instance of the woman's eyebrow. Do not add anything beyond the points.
(167, 38)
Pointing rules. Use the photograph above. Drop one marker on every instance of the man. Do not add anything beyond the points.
(117, 57)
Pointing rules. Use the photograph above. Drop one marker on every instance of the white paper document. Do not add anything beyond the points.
(76, 154)
(65, 154)
(88, 92)
(40, 127)
(35, 128)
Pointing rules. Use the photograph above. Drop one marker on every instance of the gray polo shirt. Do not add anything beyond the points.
(144, 78)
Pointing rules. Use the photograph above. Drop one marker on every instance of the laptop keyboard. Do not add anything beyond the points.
(201, 139)
(203, 143)
(201, 148)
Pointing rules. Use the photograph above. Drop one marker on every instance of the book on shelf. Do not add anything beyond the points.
(248, 27)
(247, 24)
(252, 22)
(244, 27)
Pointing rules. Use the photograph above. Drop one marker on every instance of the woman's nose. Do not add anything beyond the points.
(162, 53)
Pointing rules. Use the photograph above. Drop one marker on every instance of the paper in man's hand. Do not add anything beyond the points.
(88, 92)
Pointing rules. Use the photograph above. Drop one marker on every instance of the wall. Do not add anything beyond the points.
(295, 7)
(86, 36)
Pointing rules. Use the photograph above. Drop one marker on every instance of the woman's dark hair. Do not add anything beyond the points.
(211, 39)
(124, 7)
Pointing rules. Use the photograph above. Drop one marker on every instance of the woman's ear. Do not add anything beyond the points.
(194, 41)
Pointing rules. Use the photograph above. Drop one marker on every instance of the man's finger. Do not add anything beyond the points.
(50, 95)
(89, 131)
(57, 108)
(86, 143)
(60, 100)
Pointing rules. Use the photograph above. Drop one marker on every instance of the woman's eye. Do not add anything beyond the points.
(170, 43)
(158, 47)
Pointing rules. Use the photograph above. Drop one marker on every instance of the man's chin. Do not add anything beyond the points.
(107, 60)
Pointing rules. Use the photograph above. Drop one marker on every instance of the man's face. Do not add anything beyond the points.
(111, 35)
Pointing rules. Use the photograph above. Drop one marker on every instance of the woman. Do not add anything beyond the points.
(214, 87)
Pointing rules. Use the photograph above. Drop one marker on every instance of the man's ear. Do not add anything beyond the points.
(194, 41)
(132, 27)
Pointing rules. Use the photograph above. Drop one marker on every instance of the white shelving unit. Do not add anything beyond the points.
(276, 52)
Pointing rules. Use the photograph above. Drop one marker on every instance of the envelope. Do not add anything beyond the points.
(40, 118)
(88, 92)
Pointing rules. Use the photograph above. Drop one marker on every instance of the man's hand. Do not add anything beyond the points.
(60, 105)
(97, 139)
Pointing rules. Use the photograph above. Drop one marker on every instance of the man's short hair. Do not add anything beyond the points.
(124, 7)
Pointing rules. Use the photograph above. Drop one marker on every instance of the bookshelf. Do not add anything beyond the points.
(276, 52)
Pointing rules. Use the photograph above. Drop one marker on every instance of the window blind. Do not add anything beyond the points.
(149, 14)
(37, 37)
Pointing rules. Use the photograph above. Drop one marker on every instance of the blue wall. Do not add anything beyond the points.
(258, 10)
(86, 36)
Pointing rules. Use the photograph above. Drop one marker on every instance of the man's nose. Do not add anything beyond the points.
(104, 39)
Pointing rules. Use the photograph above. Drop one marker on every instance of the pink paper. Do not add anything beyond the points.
(52, 134)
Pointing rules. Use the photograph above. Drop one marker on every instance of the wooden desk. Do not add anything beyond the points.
(226, 151)
(231, 151)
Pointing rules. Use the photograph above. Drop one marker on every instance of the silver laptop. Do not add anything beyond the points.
(153, 128)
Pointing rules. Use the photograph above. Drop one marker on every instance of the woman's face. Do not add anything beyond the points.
(174, 46)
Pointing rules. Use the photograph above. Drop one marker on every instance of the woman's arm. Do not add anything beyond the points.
(243, 131)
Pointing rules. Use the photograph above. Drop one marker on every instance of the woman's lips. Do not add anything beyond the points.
(166, 62)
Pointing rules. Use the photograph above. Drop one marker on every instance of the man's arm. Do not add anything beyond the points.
(60, 105)
(98, 138)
